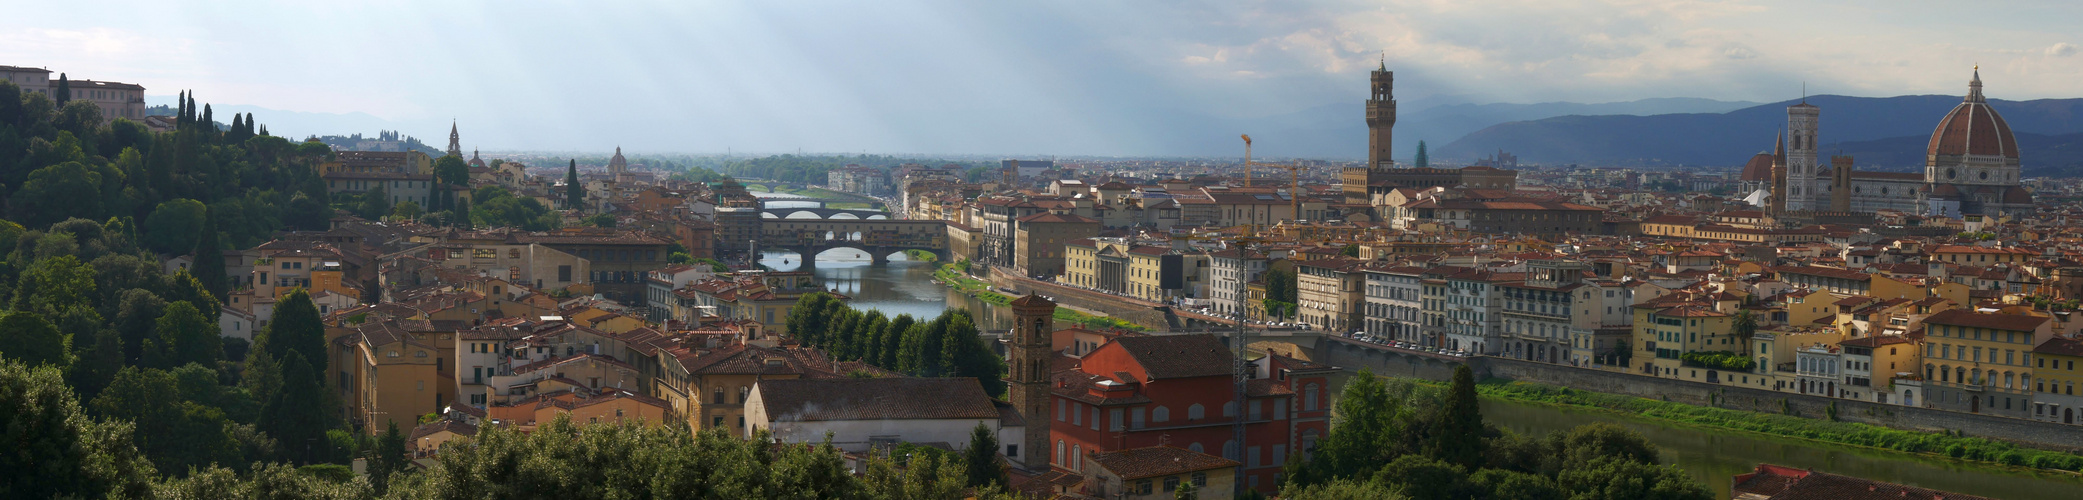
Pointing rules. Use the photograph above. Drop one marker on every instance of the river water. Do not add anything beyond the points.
(1711, 456)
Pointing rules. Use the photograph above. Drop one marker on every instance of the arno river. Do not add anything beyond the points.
(1711, 456)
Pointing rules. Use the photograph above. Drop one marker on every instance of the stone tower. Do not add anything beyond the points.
(455, 142)
(1381, 116)
(1841, 183)
(1779, 176)
(1033, 323)
(1802, 167)
(1381, 126)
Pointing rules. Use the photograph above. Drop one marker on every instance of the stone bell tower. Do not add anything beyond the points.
(1033, 322)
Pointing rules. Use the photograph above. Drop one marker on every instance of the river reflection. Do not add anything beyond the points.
(1715, 457)
(901, 286)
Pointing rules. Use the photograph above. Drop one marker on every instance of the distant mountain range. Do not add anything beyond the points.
(1340, 130)
(1886, 133)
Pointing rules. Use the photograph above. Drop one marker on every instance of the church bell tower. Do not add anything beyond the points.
(1033, 323)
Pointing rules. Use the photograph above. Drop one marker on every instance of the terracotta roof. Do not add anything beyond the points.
(2061, 346)
(1963, 317)
(1156, 461)
(809, 400)
(1178, 356)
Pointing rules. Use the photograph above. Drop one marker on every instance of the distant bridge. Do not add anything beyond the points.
(876, 237)
(820, 211)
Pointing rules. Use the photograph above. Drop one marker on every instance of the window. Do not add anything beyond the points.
(1200, 478)
(1195, 412)
(1095, 418)
(1059, 418)
(1114, 420)
(1142, 487)
(1160, 415)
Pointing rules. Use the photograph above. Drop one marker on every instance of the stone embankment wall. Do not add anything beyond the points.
(1133, 310)
(2029, 432)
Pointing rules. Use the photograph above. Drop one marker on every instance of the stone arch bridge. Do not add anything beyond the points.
(876, 237)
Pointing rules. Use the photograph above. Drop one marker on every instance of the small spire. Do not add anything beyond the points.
(1385, 60)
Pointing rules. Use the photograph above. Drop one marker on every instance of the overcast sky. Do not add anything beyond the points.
(1062, 77)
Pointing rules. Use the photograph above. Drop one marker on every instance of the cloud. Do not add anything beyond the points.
(2063, 49)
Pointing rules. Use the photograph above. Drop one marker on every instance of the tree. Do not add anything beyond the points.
(1457, 434)
(1422, 161)
(208, 255)
(602, 220)
(1418, 476)
(452, 170)
(53, 450)
(175, 433)
(98, 365)
(407, 210)
(1614, 478)
(1352, 250)
(32, 339)
(137, 313)
(462, 218)
(981, 458)
(574, 193)
(297, 328)
(184, 336)
(388, 457)
(1369, 425)
(56, 192)
(64, 92)
(1186, 491)
(298, 416)
(1744, 324)
(375, 204)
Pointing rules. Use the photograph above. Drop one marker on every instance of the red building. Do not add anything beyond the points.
(1143, 391)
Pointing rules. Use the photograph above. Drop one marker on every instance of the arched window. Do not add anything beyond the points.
(1161, 414)
(1196, 412)
(1229, 409)
(743, 392)
(716, 395)
(1196, 448)
(1077, 456)
(1059, 452)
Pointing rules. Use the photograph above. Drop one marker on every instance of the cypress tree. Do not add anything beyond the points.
(209, 258)
(181, 109)
(574, 193)
(64, 90)
(1422, 160)
(191, 107)
(209, 119)
(461, 218)
(238, 123)
(1457, 436)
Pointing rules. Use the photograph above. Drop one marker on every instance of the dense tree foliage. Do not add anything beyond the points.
(495, 206)
(1280, 292)
(1398, 439)
(946, 346)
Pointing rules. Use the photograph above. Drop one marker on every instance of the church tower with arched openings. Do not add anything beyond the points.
(1033, 324)
(1802, 163)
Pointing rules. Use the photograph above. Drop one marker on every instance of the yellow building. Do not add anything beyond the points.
(709, 387)
(1981, 256)
(1982, 362)
(391, 375)
(1145, 269)
(2055, 398)
(1666, 330)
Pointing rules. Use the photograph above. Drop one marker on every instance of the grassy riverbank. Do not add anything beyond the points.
(1847, 433)
(920, 255)
(953, 276)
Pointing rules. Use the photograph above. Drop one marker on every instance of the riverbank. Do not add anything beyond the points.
(1966, 448)
(953, 276)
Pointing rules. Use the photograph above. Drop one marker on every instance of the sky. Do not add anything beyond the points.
(1074, 77)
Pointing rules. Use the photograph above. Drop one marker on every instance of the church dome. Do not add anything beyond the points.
(1973, 128)
(1759, 169)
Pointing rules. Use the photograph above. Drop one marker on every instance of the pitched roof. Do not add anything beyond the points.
(1963, 317)
(1156, 461)
(894, 398)
(1178, 356)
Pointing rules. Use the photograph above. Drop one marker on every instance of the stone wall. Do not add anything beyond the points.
(2034, 433)
(1114, 306)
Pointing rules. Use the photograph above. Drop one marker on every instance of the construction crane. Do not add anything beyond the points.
(1247, 160)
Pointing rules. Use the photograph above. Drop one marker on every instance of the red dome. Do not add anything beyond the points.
(1972, 128)
(1759, 168)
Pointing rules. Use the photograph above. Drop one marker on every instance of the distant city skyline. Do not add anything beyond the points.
(960, 78)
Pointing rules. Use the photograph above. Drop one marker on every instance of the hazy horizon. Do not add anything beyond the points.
(1162, 79)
